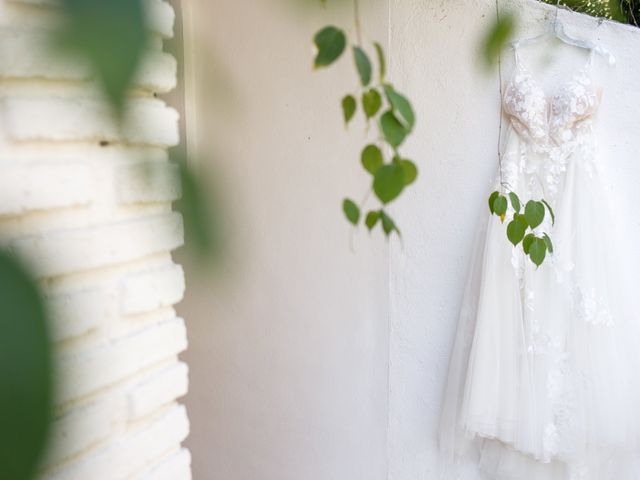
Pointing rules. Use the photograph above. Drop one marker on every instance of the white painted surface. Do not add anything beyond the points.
(290, 350)
(434, 46)
(98, 234)
(288, 346)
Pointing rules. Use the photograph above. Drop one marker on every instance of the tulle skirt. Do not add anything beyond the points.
(544, 378)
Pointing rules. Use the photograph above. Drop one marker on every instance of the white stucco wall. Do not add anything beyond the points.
(308, 360)
(288, 342)
(434, 49)
(89, 208)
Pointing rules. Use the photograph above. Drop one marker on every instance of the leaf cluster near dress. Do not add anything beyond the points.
(535, 245)
(391, 110)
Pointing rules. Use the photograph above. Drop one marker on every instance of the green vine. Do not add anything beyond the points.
(381, 103)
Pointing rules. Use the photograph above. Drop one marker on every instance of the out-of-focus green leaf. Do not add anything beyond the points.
(393, 131)
(388, 182)
(496, 38)
(348, 108)
(371, 159)
(371, 102)
(410, 171)
(351, 211)
(199, 222)
(330, 43)
(112, 35)
(25, 372)
(372, 218)
(363, 65)
(401, 104)
(388, 225)
(382, 64)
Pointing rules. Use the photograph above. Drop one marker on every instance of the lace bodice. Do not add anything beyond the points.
(544, 121)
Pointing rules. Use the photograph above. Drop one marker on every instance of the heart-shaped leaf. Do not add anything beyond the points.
(330, 43)
(388, 182)
(410, 171)
(534, 213)
(401, 105)
(492, 198)
(348, 108)
(371, 159)
(537, 251)
(393, 131)
(351, 210)
(363, 65)
(500, 205)
(516, 229)
(371, 102)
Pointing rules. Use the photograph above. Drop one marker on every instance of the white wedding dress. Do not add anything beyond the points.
(544, 379)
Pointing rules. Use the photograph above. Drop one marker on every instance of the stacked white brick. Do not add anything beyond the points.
(77, 201)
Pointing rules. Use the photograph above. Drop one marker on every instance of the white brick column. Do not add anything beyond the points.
(77, 201)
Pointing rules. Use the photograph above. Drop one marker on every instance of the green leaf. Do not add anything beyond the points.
(410, 171)
(372, 219)
(371, 159)
(496, 38)
(492, 198)
(400, 104)
(516, 229)
(537, 251)
(363, 65)
(553, 216)
(112, 37)
(388, 182)
(393, 131)
(351, 210)
(26, 372)
(382, 65)
(330, 43)
(348, 108)
(534, 213)
(548, 243)
(515, 201)
(527, 242)
(388, 224)
(371, 102)
(198, 208)
(500, 206)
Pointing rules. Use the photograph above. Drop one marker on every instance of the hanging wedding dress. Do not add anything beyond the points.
(544, 381)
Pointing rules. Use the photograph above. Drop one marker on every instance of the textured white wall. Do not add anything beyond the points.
(434, 48)
(76, 202)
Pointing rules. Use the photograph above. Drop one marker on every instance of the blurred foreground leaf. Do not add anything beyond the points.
(112, 36)
(25, 372)
(496, 38)
(201, 227)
